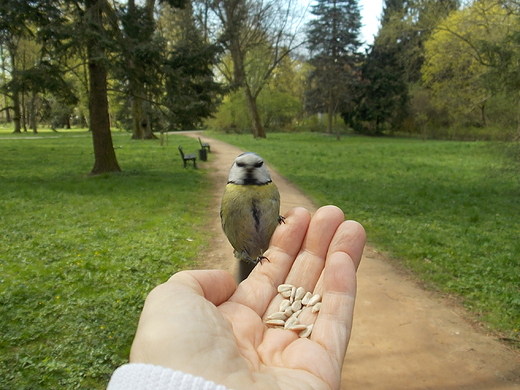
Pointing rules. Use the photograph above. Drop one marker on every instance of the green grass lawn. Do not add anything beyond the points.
(78, 254)
(440, 207)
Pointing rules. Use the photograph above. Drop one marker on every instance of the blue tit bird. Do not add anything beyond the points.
(250, 210)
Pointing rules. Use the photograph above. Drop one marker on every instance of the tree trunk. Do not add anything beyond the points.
(32, 114)
(104, 154)
(235, 14)
(2, 59)
(330, 115)
(239, 78)
(517, 138)
(141, 121)
(137, 117)
(338, 136)
(149, 129)
(17, 111)
(256, 122)
(23, 117)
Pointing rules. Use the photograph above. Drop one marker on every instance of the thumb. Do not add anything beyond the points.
(214, 285)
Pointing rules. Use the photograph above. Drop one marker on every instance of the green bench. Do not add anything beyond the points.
(204, 145)
(187, 158)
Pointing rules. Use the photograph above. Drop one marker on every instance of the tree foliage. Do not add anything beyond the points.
(258, 35)
(471, 58)
(333, 41)
(455, 70)
(383, 92)
(166, 70)
(191, 92)
(22, 22)
(279, 103)
(382, 96)
(150, 66)
(392, 68)
(82, 46)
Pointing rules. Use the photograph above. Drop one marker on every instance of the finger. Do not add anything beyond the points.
(334, 322)
(183, 299)
(182, 291)
(350, 238)
(285, 245)
(309, 264)
(260, 287)
(180, 327)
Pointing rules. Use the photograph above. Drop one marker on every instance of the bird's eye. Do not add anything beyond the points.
(241, 164)
(259, 164)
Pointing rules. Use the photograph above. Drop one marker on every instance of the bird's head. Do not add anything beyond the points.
(249, 168)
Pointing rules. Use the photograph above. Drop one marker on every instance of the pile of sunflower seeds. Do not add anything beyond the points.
(296, 300)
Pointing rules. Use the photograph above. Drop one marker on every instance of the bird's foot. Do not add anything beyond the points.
(259, 259)
(281, 219)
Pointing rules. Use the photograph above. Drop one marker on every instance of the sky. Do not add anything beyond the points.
(370, 14)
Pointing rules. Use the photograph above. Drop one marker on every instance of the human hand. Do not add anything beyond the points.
(201, 323)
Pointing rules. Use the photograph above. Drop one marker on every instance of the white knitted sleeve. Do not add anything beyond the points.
(139, 376)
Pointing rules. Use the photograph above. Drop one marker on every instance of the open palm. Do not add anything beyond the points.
(200, 322)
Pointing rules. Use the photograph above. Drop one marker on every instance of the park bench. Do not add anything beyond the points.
(204, 145)
(188, 157)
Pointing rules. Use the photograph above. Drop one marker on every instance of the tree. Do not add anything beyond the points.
(258, 35)
(500, 52)
(452, 70)
(383, 93)
(140, 65)
(408, 24)
(392, 68)
(17, 19)
(105, 157)
(279, 103)
(166, 68)
(61, 28)
(333, 40)
(192, 93)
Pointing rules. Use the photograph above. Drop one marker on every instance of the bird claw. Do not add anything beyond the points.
(259, 259)
(281, 219)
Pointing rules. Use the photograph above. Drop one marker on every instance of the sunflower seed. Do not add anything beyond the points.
(300, 292)
(293, 294)
(296, 305)
(306, 297)
(275, 322)
(279, 315)
(284, 304)
(307, 331)
(296, 327)
(285, 287)
(296, 300)
(314, 300)
(291, 321)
